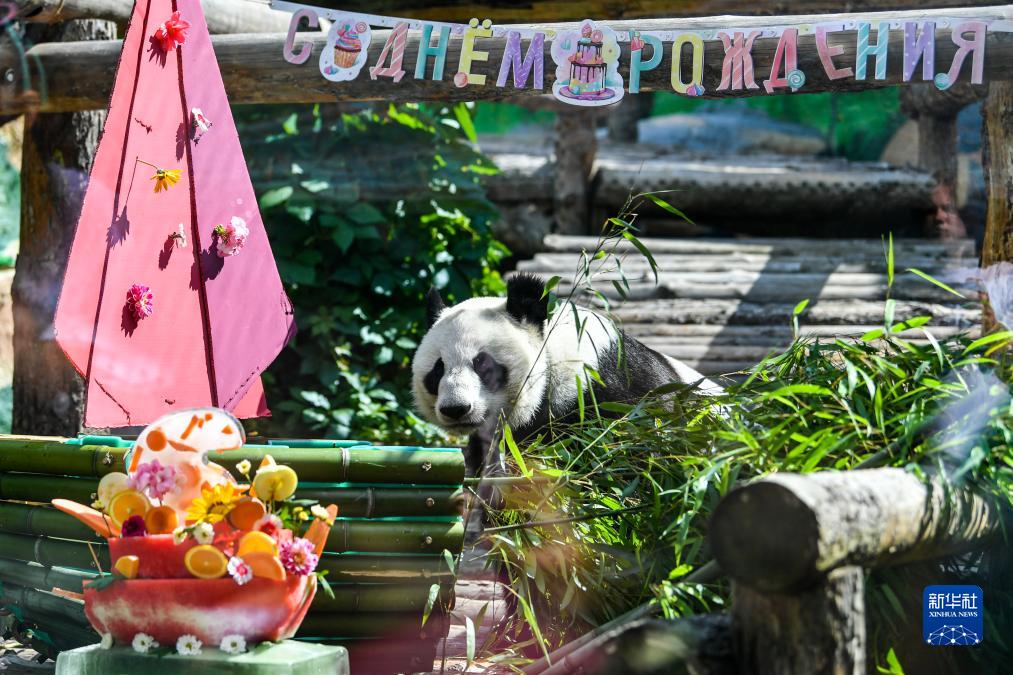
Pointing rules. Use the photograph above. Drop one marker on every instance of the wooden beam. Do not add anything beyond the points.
(79, 76)
(997, 161)
(511, 11)
(223, 16)
(787, 531)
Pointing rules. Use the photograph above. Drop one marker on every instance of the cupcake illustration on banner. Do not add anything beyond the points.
(587, 66)
(346, 50)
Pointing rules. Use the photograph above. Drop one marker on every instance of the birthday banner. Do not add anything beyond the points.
(587, 59)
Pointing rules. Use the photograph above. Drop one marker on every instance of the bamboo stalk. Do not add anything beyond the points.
(43, 521)
(352, 501)
(387, 626)
(395, 536)
(45, 578)
(34, 601)
(359, 464)
(357, 568)
(374, 598)
(52, 552)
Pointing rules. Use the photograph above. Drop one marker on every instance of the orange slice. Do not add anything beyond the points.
(245, 513)
(265, 566)
(161, 520)
(127, 566)
(205, 562)
(125, 504)
(256, 542)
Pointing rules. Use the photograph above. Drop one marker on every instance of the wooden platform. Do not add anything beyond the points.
(721, 305)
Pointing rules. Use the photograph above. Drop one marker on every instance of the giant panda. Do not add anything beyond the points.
(486, 356)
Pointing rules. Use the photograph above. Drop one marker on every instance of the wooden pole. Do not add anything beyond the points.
(57, 155)
(820, 630)
(575, 147)
(623, 118)
(79, 76)
(786, 531)
(222, 16)
(997, 160)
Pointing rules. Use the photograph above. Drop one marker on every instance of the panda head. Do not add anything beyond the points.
(481, 357)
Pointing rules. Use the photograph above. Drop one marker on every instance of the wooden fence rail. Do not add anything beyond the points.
(78, 76)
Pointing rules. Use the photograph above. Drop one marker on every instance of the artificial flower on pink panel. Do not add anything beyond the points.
(172, 33)
(141, 301)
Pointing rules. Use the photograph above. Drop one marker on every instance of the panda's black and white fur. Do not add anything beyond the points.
(485, 356)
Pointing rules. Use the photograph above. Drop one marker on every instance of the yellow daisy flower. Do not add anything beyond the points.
(214, 504)
(165, 178)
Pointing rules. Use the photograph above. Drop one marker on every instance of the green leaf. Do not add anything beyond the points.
(889, 263)
(508, 438)
(933, 280)
(800, 307)
(644, 252)
(469, 629)
(668, 207)
(550, 284)
(463, 116)
(1001, 336)
(291, 124)
(434, 593)
(275, 197)
(448, 558)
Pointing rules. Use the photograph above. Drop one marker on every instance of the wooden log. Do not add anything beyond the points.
(787, 531)
(997, 161)
(57, 154)
(820, 630)
(567, 10)
(223, 16)
(624, 118)
(575, 146)
(79, 76)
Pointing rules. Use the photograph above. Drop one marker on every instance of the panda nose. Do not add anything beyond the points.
(455, 412)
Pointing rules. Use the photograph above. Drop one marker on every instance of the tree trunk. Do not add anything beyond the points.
(576, 146)
(820, 631)
(57, 158)
(997, 160)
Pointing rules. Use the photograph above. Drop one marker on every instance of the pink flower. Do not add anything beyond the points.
(232, 237)
(134, 527)
(240, 571)
(141, 301)
(269, 525)
(155, 480)
(298, 557)
(172, 33)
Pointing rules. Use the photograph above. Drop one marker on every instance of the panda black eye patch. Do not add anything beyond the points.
(492, 374)
(433, 377)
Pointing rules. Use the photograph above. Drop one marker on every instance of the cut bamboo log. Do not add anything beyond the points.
(787, 531)
(363, 569)
(385, 626)
(360, 464)
(55, 552)
(44, 578)
(352, 501)
(223, 16)
(253, 71)
(361, 536)
(35, 601)
(377, 598)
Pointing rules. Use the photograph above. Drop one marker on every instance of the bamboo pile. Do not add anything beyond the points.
(385, 557)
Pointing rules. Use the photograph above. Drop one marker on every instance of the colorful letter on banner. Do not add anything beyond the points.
(737, 68)
(288, 51)
(637, 65)
(534, 59)
(786, 53)
(827, 54)
(975, 46)
(464, 75)
(696, 41)
(394, 48)
(921, 47)
(865, 50)
(439, 52)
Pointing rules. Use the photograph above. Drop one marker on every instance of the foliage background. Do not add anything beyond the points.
(365, 210)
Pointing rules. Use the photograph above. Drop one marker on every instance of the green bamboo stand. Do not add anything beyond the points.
(281, 658)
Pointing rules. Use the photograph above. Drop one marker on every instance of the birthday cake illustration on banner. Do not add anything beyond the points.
(346, 50)
(587, 66)
(171, 296)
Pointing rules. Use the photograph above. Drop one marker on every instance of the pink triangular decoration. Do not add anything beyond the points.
(217, 322)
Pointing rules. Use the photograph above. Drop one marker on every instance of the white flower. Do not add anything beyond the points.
(239, 570)
(233, 644)
(320, 513)
(188, 645)
(179, 535)
(204, 533)
(143, 642)
(107, 641)
(244, 467)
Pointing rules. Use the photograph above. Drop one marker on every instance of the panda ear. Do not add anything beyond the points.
(526, 299)
(434, 305)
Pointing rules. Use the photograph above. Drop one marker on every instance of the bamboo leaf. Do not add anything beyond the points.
(550, 284)
(448, 557)
(1001, 336)
(508, 438)
(644, 252)
(668, 207)
(434, 592)
(932, 280)
(889, 264)
(469, 629)
(463, 116)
